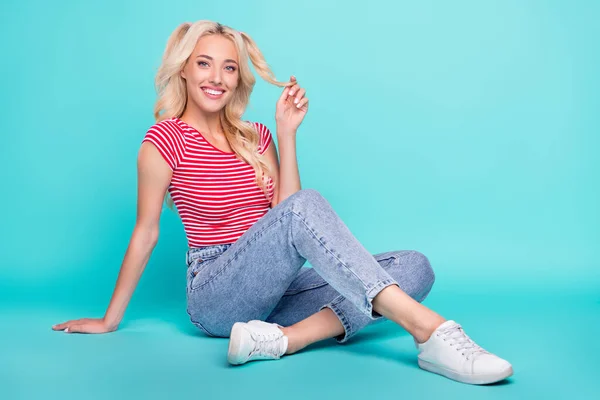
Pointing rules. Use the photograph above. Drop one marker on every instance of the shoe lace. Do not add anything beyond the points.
(457, 337)
(267, 344)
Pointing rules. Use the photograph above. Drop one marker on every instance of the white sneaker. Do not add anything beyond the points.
(453, 354)
(256, 340)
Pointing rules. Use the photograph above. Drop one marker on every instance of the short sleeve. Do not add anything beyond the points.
(265, 137)
(169, 140)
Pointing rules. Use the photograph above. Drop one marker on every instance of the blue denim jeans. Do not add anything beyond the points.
(261, 275)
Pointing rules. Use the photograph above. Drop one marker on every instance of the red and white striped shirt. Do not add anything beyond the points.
(214, 191)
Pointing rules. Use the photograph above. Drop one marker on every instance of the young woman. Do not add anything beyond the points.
(251, 228)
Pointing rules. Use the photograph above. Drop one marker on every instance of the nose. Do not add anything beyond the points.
(215, 76)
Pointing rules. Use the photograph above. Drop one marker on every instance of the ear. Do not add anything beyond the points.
(182, 74)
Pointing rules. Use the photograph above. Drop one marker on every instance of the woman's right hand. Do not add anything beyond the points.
(85, 325)
(291, 108)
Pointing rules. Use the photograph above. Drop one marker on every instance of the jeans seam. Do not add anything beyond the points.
(203, 328)
(303, 289)
(237, 253)
(199, 325)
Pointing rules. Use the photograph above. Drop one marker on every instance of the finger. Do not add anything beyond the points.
(302, 103)
(294, 89)
(63, 327)
(73, 321)
(299, 95)
(60, 327)
(284, 95)
(292, 82)
(75, 328)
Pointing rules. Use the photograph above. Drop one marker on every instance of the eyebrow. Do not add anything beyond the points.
(210, 58)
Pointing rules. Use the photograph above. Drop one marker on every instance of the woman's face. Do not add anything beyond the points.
(211, 73)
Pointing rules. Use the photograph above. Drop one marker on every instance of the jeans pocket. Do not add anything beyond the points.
(197, 269)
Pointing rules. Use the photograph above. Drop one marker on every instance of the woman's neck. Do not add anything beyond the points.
(206, 123)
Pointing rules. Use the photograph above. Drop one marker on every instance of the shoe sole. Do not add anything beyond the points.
(480, 379)
(235, 341)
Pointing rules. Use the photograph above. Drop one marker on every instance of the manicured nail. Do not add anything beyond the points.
(291, 92)
(66, 329)
(295, 101)
(298, 105)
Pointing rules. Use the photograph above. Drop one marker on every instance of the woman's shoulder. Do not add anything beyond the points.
(261, 128)
(169, 128)
(169, 124)
(264, 135)
(167, 136)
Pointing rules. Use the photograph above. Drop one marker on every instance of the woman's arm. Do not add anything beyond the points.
(289, 175)
(291, 109)
(154, 177)
(136, 258)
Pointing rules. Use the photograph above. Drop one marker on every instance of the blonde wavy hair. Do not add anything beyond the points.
(172, 93)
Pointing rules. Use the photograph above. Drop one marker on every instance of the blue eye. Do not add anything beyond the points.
(229, 66)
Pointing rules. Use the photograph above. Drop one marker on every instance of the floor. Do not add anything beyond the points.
(157, 353)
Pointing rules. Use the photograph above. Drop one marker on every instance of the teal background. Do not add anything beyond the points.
(467, 130)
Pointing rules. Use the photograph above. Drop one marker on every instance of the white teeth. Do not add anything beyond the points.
(210, 91)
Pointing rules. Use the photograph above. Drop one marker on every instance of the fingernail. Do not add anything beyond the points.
(66, 329)
(298, 105)
(295, 101)
(291, 92)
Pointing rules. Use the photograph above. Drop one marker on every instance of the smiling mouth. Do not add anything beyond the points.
(213, 93)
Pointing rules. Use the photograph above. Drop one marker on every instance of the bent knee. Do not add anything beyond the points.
(424, 273)
(308, 196)
(414, 274)
(311, 195)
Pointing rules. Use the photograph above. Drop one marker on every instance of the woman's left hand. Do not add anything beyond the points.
(291, 108)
